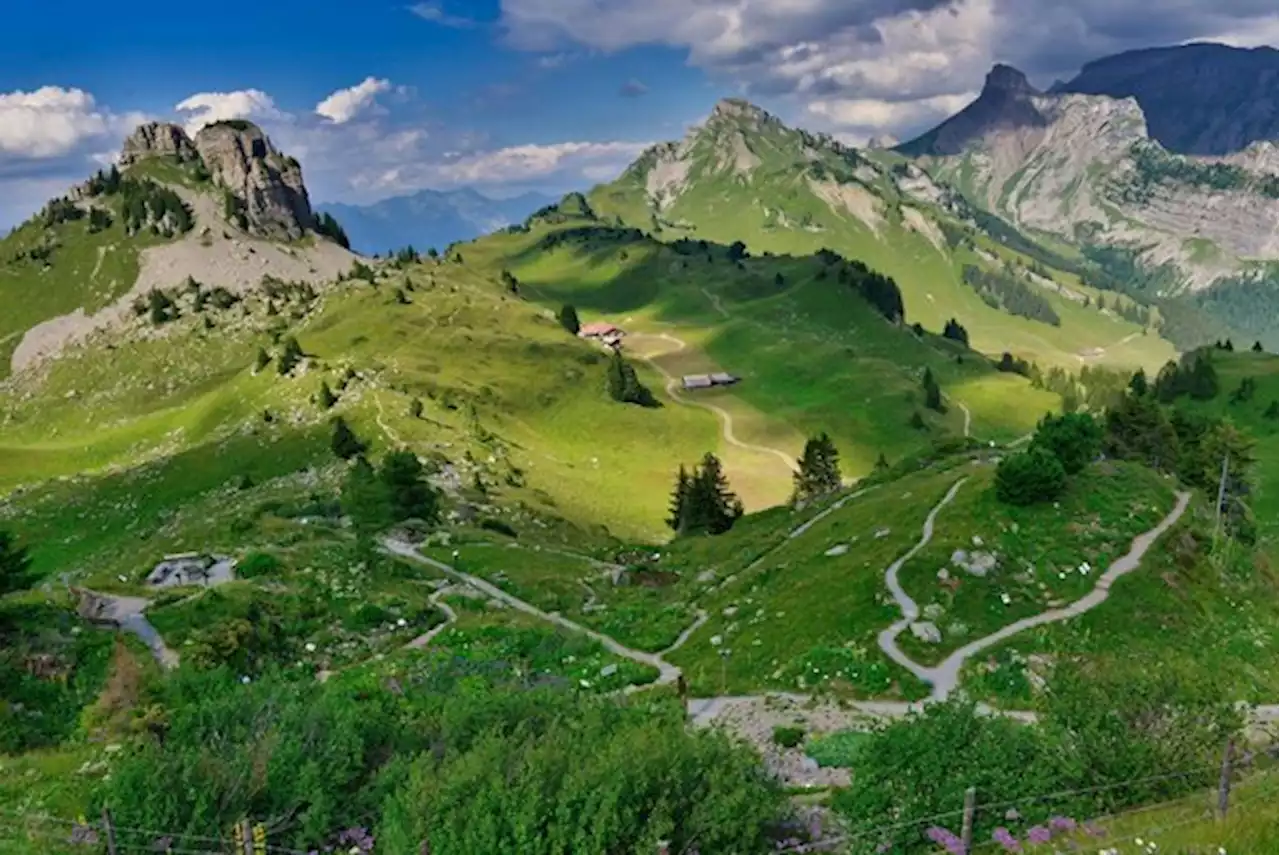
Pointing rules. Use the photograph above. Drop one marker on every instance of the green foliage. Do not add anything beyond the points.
(788, 737)
(1139, 429)
(146, 204)
(1075, 439)
(1029, 477)
(624, 386)
(1194, 376)
(261, 359)
(160, 307)
(325, 396)
(326, 225)
(840, 748)
(289, 357)
(819, 469)
(568, 317)
(1000, 290)
(1154, 166)
(702, 502)
(366, 500)
(258, 564)
(344, 443)
(954, 331)
(932, 393)
(409, 494)
(1139, 726)
(15, 563)
(415, 408)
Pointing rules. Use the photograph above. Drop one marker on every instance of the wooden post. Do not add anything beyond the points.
(246, 833)
(109, 832)
(1224, 780)
(966, 824)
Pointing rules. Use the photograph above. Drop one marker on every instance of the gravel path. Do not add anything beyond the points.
(127, 614)
(945, 676)
(450, 616)
(726, 418)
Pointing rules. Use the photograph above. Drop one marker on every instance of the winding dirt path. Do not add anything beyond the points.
(672, 388)
(126, 613)
(450, 617)
(945, 676)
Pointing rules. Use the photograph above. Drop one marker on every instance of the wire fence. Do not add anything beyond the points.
(103, 835)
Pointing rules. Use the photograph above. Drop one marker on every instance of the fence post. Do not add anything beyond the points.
(109, 831)
(966, 825)
(1224, 780)
(246, 834)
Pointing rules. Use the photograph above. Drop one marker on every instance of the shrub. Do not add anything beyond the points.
(1029, 477)
(499, 526)
(788, 737)
(257, 564)
(1075, 439)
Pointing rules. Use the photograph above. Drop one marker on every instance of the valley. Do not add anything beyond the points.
(773, 476)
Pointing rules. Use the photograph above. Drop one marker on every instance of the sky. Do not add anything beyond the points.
(379, 99)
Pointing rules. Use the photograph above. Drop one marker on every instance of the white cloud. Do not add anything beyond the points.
(528, 162)
(206, 107)
(49, 121)
(345, 104)
(866, 117)
(435, 14)
(856, 61)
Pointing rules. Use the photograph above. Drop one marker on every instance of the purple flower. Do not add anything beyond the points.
(1003, 836)
(946, 840)
(1039, 834)
(1094, 830)
(1062, 823)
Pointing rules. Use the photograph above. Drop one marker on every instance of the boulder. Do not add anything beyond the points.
(157, 139)
(926, 632)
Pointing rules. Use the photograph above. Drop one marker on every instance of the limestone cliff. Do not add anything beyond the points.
(157, 139)
(267, 184)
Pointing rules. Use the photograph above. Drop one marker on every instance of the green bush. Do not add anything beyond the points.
(497, 525)
(840, 748)
(1075, 439)
(257, 564)
(788, 737)
(366, 617)
(1029, 477)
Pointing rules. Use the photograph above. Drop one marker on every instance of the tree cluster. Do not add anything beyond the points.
(932, 392)
(702, 502)
(953, 330)
(623, 384)
(876, 288)
(1000, 290)
(568, 318)
(1194, 376)
(818, 472)
(1062, 446)
(326, 225)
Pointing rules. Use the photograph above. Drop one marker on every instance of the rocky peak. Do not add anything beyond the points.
(1007, 80)
(157, 139)
(272, 198)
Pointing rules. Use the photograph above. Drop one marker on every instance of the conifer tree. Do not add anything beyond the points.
(344, 442)
(326, 397)
(818, 472)
(568, 318)
(415, 408)
(705, 503)
(932, 394)
(676, 515)
(290, 356)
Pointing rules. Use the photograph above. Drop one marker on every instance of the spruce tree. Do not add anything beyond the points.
(409, 493)
(932, 394)
(678, 509)
(1257, 347)
(326, 397)
(568, 318)
(344, 442)
(818, 472)
(290, 356)
(1138, 383)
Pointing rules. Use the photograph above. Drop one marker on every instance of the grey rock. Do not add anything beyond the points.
(157, 139)
(926, 632)
(608, 670)
(838, 549)
(241, 158)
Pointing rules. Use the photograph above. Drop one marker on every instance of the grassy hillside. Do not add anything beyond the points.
(745, 176)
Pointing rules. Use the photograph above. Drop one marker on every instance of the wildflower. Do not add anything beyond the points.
(1137, 841)
(1062, 823)
(944, 838)
(1010, 843)
(1038, 834)
(310, 647)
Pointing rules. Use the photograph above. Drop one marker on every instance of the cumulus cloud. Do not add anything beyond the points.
(203, 108)
(856, 63)
(345, 104)
(50, 122)
(527, 162)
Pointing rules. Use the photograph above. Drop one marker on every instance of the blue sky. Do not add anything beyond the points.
(382, 98)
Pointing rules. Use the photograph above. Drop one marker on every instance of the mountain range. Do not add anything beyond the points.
(430, 218)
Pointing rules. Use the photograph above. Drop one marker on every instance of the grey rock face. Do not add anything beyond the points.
(242, 159)
(157, 139)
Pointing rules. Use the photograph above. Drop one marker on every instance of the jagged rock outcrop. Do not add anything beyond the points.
(157, 139)
(1083, 167)
(267, 184)
(1206, 99)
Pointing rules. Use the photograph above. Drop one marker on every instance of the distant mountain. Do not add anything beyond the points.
(1005, 103)
(1197, 98)
(430, 218)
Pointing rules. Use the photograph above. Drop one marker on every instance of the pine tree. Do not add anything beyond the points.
(1138, 383)
(932, 394)
(917, 421)
(410, 495)
(344, 442)
(818, 472)
(678, 509)
(326, 397)
(624, 385)
(1257, 347)
(705, 503)
(568, 318)
(290, 356)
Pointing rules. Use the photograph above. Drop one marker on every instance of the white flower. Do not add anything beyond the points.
(401, 622)
(1137, 841)
(310, 647)
(1006, 599)
(716, 640)
(245, 679)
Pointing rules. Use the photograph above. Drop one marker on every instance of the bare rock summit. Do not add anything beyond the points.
(157, 139)
(267, 184)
